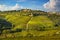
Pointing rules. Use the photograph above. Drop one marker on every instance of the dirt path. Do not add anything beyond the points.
(27, 26)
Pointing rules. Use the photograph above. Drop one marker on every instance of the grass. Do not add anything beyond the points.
(41, 21)
(39, 27)
(18, 21)
(33, 38)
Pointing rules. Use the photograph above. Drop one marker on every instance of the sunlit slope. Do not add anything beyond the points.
(18, 21)
(40, 21)
(32, 22)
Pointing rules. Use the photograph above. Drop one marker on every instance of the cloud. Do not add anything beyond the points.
(6, 7)
(16, 7)
(52, 5)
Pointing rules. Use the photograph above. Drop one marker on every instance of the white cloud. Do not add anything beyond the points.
(52, 5)
(6, 7)
(16, 7)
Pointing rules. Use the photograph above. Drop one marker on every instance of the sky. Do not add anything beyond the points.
(52, 5)
(45, 5)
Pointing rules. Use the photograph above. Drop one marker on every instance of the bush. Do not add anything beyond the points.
(29, 35)
(41, 29)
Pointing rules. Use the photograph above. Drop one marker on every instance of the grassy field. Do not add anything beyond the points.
(33, 38)
(40, 21)
(27, 27)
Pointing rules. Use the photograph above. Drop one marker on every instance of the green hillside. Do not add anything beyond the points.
(28, 24)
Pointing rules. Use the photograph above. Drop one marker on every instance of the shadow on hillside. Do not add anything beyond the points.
(5, 25)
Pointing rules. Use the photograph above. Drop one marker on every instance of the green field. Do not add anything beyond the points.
(21, 25)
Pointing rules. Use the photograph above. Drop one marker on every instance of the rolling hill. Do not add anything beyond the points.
(30, 23)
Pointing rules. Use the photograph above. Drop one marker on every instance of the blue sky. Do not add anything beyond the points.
(24, 2)
(31, 4)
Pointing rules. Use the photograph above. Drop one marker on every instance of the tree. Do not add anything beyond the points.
(4, 25)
